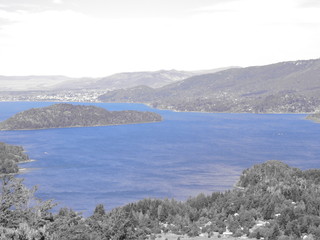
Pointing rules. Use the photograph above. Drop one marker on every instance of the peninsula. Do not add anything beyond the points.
(64, 115)
(10, 157)
(314, 117)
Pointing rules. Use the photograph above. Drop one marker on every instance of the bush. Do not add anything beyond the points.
(238, 233)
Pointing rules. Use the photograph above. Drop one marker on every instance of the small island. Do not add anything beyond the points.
(65, 115)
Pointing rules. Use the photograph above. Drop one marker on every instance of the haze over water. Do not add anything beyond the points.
(186, 154)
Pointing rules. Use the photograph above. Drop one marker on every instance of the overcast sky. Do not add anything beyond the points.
(100, 37)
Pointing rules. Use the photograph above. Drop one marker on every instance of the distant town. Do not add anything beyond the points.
(61, 96)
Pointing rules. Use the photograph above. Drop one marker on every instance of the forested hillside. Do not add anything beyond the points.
(10, 156)
(270, 200)
(286, 87)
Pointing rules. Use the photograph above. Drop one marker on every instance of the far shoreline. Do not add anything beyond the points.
(157, 108)
(33, 129)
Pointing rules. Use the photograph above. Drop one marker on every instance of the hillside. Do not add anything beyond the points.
(18, 85)
(10, 156)
(153, 79)
(129, 79)
(115, 81)
(68, 115)
(291, 87)
(271, 200)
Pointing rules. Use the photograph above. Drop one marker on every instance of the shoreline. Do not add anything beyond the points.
(179, 111)
(27, 161)
(158, 108)
(31, 129)
(22, 170)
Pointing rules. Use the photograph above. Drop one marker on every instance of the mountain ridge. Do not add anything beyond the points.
(115, 81)
(290, 87)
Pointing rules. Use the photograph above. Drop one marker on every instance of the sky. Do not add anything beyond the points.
(96, 38)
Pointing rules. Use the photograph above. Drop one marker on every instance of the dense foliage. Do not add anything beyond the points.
(9, 157)
(271, 200)
(68, 115)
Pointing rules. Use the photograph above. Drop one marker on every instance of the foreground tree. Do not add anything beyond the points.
(21, 213)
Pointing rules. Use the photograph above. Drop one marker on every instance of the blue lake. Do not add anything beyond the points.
(186, 154)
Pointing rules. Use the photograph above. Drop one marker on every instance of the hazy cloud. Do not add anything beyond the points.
(310, 3)
(57, 1)
(4, 21)
(9, 16)
(31, 5)
(215, 7)
(43, 37)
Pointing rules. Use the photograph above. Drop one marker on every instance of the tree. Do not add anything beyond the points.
(99, 211)
(21, 213)
(18, 204)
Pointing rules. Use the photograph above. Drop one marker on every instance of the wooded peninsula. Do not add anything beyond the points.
(10, 156)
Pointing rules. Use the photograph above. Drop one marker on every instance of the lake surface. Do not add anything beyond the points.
(186, 154)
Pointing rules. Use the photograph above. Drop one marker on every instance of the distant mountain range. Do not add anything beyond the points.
(285, 87)
(291, 87)
(30, 83)
(127, 80)
(116, 81)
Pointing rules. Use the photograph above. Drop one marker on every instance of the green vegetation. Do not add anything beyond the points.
(270, 200)
(10, 156)
(67, 115)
